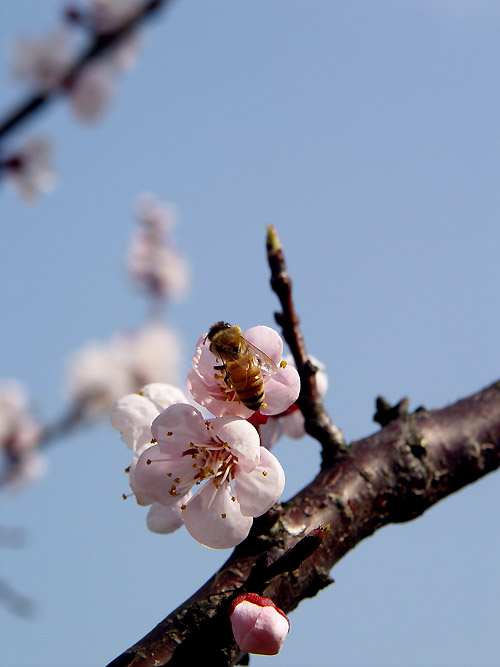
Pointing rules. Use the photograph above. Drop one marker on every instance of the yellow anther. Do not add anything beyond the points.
(283, 364)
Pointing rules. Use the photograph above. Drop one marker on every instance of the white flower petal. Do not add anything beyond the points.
(216, 522)
(133, 415)
(258, 490)
(243, 440)
(281, 390)
(180, 424)
(163, 395)
(266, 339)
(154, 477)
(164, 520)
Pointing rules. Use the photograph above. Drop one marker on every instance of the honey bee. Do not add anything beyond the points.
(242, 362)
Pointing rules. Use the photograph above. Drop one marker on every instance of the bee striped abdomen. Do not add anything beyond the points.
(243, 363)
(249, 386)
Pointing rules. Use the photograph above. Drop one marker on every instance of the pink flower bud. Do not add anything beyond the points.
(259, 626)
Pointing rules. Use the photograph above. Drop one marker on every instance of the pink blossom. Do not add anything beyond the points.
(20, 434)
(44, 62)
(92, 90)
(208, 388)
(259, 626)
(109, 15)
(100, 373)
(29, 170)
(291, 422)
(238, 478)
(133, 414)
(154, 262)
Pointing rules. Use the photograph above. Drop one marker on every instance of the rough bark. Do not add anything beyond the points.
(389, 477)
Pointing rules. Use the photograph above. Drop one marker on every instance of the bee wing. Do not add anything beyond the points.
(261, 359)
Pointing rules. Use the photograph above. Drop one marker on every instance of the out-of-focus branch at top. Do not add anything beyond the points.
(99, 45)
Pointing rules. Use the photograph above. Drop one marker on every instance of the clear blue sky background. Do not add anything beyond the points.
(368, 134)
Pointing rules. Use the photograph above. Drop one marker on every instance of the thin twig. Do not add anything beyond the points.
(317, 421)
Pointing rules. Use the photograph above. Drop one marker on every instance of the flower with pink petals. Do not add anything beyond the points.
(291, 421)
(133, 415)
(99, 373)
(43, 63)
(109, 15)
(238, 478)
(208, 387)
(20, 434)
(259, 626)
(92, 91)
(29, 170)
(154, 262)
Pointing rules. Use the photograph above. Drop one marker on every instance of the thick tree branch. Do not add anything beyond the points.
(389, 477)
(99, 45)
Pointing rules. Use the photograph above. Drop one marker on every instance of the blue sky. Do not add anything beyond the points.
(368, 134)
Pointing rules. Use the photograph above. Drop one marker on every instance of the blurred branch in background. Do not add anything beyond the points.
(102, 41)
(51, 68)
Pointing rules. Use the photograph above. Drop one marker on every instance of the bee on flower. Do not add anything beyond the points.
(239, 374)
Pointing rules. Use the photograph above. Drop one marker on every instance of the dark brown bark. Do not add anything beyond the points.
(389, 477)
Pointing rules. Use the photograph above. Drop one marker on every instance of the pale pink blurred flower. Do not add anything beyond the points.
(208, 388)
(100, 373)
(43, 63)
(291, 422)
(20, 434)
(124, 55)
(108, 15)
(29, 170)
(92, 90)
(154, 263)
(238, 478)
(153, 354)
(97, 376)
(259, 626)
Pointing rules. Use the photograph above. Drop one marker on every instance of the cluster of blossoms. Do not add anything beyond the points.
(47, 65)
(154, 263)
(177, 448)
(20, 434)
(100, 373)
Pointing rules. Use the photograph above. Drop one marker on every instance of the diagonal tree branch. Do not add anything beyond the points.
(389, 477)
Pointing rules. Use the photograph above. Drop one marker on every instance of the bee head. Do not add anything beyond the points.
(215, 328)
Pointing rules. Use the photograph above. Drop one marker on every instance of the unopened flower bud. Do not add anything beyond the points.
(259, 626)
